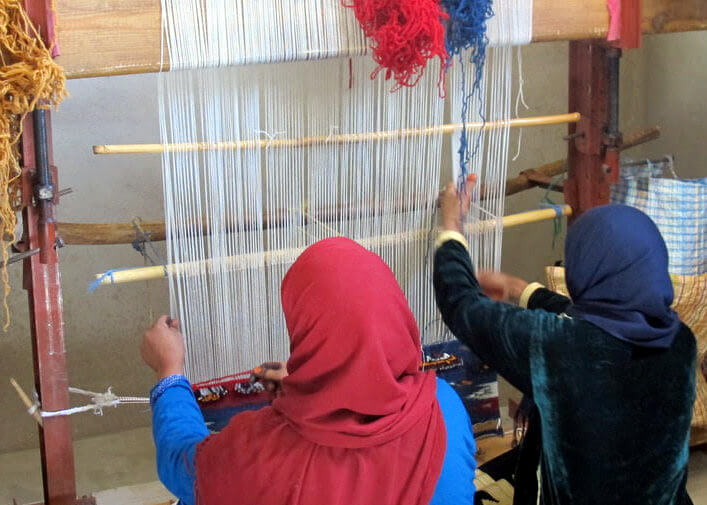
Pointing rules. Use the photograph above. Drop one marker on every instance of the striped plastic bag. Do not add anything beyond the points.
(679, 209)
(677, 206)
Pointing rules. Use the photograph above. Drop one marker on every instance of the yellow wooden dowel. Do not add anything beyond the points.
(285, 256)
(26, 400)
(333, 139)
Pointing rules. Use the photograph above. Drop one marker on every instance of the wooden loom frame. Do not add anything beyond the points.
(114, 37)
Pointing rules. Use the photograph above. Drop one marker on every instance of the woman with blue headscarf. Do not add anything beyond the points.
(611, 371)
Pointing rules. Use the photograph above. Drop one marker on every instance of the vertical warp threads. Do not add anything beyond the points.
(404, 35)
(369, 191)
(259, 202)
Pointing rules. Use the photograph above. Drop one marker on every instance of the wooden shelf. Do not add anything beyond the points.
(113, 37)
(492, 447)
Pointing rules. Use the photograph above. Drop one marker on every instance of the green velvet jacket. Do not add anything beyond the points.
(614, 418)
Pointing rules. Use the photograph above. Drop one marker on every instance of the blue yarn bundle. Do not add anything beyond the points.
(466, 29)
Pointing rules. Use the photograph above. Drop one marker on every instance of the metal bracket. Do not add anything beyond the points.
(44, 192)
(19, 257)
(587, 140)
(31, 193)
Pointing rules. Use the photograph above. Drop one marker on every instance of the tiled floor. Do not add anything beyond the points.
(119, 470)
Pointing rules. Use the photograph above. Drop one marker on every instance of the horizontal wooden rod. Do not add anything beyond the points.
(124, 233)
(638, 137)
(347, 138)
(521, 182)
(286, 256)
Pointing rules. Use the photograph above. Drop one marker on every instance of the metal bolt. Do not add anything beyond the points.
(573, 136)
(45, 192)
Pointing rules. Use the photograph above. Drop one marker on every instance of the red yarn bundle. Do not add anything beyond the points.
(404, 35)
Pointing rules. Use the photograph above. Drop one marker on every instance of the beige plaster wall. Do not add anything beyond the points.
(674, 81)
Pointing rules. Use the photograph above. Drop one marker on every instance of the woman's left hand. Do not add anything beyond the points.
(453, 206)
(271, 375)
(501, 287)
(163, 347)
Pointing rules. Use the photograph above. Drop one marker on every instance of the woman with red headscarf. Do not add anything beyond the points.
(356, 422)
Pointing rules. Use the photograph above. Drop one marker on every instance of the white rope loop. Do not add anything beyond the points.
(99, 401)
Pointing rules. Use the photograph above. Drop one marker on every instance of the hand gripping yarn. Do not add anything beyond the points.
(466, 30)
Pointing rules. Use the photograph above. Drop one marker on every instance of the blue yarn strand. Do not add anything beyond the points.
(466, 29)
(557, 208)
(547, 203)
(108, 274)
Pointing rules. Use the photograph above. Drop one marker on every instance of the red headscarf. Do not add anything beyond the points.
(357, 422)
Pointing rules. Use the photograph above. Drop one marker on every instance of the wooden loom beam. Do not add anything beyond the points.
(286, 256)
(114, 37)
(126, 233)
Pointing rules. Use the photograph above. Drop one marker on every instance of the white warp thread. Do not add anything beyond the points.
(511, 24)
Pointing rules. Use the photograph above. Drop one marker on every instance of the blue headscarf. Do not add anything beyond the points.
(617, 276)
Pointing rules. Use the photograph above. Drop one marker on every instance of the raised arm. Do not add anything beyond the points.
(177, 423)
(499, 333)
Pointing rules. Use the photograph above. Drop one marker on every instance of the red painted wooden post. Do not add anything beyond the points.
(43, 284)
(595, 142)
(589, 178)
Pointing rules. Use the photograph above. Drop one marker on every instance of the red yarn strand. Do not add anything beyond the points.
(404, 35)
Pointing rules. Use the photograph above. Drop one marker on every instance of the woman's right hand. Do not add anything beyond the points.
(453, 206)
(501, 287)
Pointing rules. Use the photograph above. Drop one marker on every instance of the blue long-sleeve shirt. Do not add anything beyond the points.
(178, 426)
